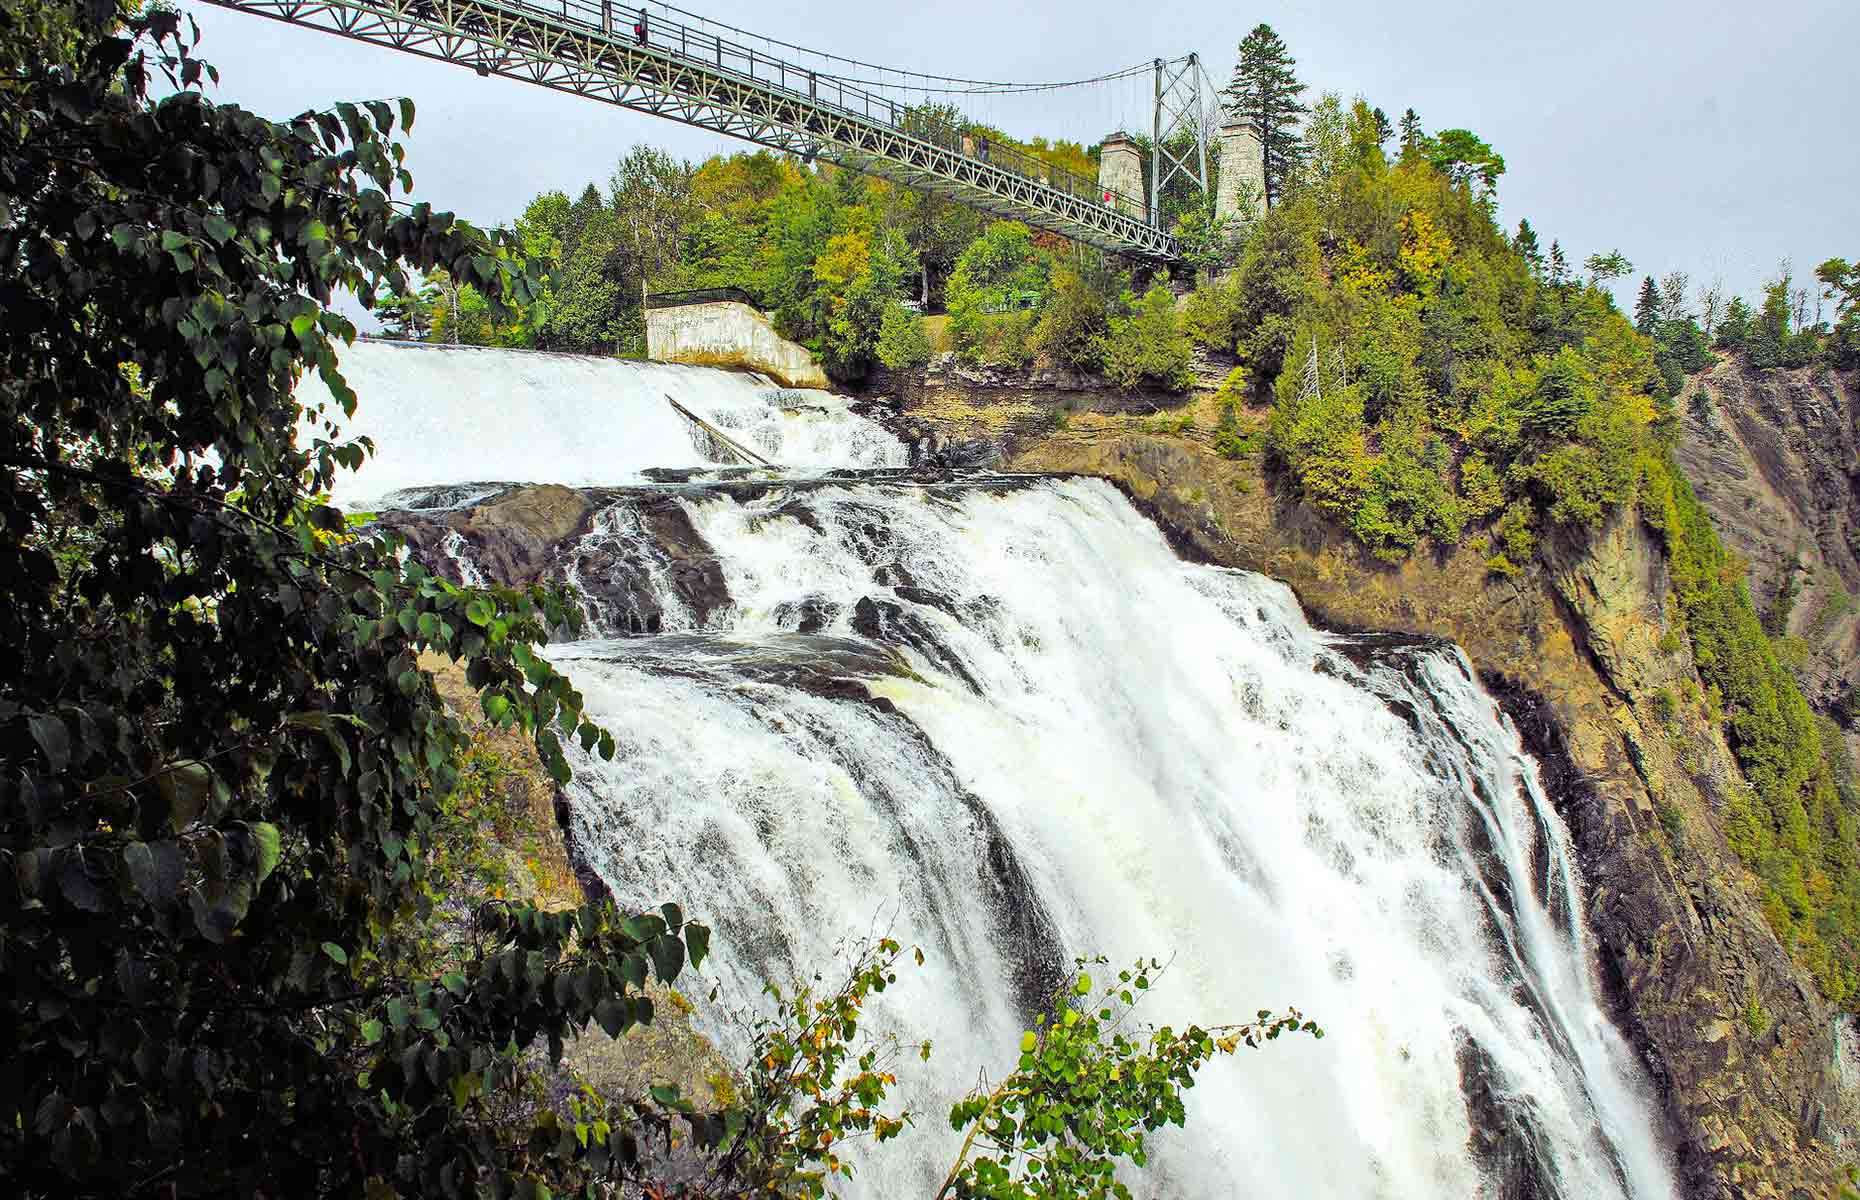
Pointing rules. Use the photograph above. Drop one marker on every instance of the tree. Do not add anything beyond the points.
(1384, 130)
(1734, 330)
(1647, 307)
(1264, 93)
(1711, 306)
(1559, 265)
(1673, 288)
(1411, 134)
(220, 763)
(1769, 335)
(1074, 322)
(1840, 281)
(1147, 347)
(1468, 162)
(1525, 243)
(902, 343)
(1605, 267)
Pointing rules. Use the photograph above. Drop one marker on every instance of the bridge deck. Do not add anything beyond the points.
(589, 48)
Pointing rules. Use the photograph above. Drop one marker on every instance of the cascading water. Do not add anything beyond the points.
(458, 414)
(999, 717)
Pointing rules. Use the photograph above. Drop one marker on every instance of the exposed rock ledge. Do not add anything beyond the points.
(1739, 1044)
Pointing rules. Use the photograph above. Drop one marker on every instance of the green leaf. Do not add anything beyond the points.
(269, 843)
(156, 870)
(336, 952)
(612, 1013)
(302, 324)
(668, 956)
(1028, 1041)
(372, 1031)
(185, 786)
(495, 706)
(697, 941)
(54, 740)
(398, 1016)
(479, 611)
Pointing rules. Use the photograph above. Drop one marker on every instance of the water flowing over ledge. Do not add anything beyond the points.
(454, 414)
(1002, 718)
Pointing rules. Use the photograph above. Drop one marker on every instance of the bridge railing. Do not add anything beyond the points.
(718, 53)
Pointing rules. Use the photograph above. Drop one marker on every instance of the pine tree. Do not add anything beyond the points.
(1734, 330)
(1410, 131)
(1647, 307)
(1559, 266)
(1384, 130)
(1525, 243)
(1264, 94)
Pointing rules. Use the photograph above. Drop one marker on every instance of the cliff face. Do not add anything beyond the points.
(1775, 458)
(1739, 1044)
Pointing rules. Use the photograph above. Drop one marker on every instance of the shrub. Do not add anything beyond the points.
(1211, 317)
(902, 342)
(1075, 321)
(1147, 348)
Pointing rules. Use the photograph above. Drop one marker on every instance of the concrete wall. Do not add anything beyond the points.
(1242, 190)
(728, 333)
(1120, 170)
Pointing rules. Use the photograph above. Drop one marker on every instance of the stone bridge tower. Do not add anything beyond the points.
(1120, 172)
(1242, 191)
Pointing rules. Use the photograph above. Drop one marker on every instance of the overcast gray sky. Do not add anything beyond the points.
(1710, 137)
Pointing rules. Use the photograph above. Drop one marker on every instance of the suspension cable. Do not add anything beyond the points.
(957, 85)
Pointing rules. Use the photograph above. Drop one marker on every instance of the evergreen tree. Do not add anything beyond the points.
(1384, 130)
(1410, 131)
(1734, 330)
(1647, 307)
(1559, 265)
(1525, 243)
(1769, 331)
(1264, 94)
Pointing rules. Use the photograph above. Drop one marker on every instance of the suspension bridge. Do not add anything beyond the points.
(679, 65)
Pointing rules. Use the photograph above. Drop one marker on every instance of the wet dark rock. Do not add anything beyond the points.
(1507, 1139)
(889, 623)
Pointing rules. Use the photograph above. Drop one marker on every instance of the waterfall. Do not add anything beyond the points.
(998, 718)
(461, 414)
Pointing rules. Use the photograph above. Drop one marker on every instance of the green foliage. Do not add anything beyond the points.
(1466, 161)
(989, 321)
(1756, 1017)
(222, 773)
(807, 1091)
(1431, 372)
(1077, 317)
(1211, 316)
(902, 342)
(1840, 281)
(1797, 830)
(1147, 346)
(1087, 1092)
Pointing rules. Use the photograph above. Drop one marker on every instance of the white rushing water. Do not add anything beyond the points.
(459, 414)
(1100, 749)
(1000, 719)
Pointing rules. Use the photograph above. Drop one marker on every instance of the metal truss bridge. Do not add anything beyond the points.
(593, 48)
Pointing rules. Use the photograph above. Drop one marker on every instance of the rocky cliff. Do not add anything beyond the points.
(1775, 458)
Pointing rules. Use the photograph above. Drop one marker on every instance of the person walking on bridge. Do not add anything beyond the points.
(639, 27)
